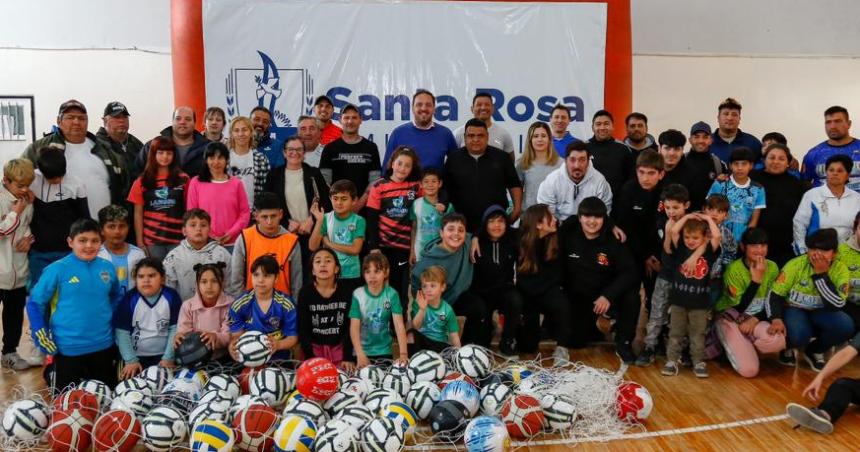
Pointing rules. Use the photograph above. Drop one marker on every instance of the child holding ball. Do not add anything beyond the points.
(374, 306)
(206, 311)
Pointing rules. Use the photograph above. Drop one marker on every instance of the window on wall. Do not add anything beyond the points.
(17, 119)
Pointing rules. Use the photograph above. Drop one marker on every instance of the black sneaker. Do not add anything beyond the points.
(816, 361)
(646, 358)
(786, 357)
(625, 352)
(811, 418)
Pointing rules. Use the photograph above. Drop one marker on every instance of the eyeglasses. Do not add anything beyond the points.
(295, 150)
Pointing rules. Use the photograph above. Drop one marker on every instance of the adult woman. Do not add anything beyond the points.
(539, 280)
(832, 205)
(213, 124)
(247, 163)
(538, 160)
(298, 185)
(782, 193)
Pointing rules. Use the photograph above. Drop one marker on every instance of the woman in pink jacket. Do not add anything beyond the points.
(206, 311)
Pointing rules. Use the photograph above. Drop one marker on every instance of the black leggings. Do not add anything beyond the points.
(842, 393)
(625, 312)
(398, 276)
(98, 365)
(555, 307)
(478, 307)
(422, 342)
(13, 317)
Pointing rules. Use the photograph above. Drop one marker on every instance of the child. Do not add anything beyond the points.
(158, 196)
(219, 194)
(742, 326)
(60, 200)
(266, 310)
(194, 250)
(341, 230)
(693, 235)
(717, 208)
(145, 321)
(375, 307)
(16, 212)
(79, 292)
(746, 197)
(113, 221)
(426, 214)
(434, 324)
(206, 311)
(674, 204)
(324, 312)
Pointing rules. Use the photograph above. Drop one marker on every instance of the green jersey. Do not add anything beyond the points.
(438, 322)
(737, 278)
(795, 283)
(375, 313)
(851, 258)
(428, 222)
(344, 232)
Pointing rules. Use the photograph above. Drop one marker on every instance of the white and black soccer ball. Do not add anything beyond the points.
(97, 388)
(309, 410)
(178, 400)
(198, 375)
(26, 420)
(271, 385)
(337, 436)
(163, 429)
(226, 383)
(379, 398)
(464, 392)
(373, 373)
(536, 384)
(253, 349)
(382, 435)
(340, 400)
(191, 388)
(358, 386)
(559, 411)
(157, 377)
(216, 410)
(244, 401)
(138, 402)
(422, 396)
(132, 384)
(474, 361)
(493, 396)
(215, 394)
(293, 399)
(427, 365)
(397, 380)
(342, 376)
(355, 415)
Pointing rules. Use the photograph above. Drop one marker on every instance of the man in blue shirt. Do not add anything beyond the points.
(559, 120)
(728, 136)
(430, 140)
(273, 149)
(839, 141)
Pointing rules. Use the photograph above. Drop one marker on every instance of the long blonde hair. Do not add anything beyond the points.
(529, 154)
(230, 141)
(530, 240)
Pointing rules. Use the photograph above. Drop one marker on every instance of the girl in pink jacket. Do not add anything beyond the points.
(206, 311)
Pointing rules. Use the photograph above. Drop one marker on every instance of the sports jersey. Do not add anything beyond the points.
(849, 254)
(163, 207)
(819, 208)
(428, 222)
(796, 285)
(743, 201)
(814, 162)
(439, 322)
(344, 232)
(393, 200)
(737, 278)
(278, 322)
(375, 313)
(123, 264)
(560, 144)
(691, 290)
(71, 306)
(148, 319)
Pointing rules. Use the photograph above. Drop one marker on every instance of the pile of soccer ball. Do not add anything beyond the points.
(316, 407)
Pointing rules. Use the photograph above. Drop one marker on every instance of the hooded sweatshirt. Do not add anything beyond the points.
(14, 269)
(637, 212)
(179, 265)
(193, 316)
(458, 267)
(494, 268)
(614, 160)
(563, 195)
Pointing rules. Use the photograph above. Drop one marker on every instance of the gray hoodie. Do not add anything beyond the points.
(179, 265)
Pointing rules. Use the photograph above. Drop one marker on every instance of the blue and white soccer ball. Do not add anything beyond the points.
(486, 434)
(463, 392)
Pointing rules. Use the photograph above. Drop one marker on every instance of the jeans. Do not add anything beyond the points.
(38, 260)
(658, 313)
(828, 327)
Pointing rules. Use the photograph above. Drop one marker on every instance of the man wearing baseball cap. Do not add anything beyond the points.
(88, 159)
(114, 133)
(702, 163)
(323, 110)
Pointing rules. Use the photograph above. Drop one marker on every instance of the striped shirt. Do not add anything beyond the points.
(394, 200)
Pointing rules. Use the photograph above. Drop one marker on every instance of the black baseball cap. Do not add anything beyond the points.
(700, 126)
(115, 109)
(70, 104)
(322, 99)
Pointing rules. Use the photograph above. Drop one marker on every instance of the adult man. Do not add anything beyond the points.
(189, 142)
(351, 157)
(482, 108)
(329, 131)
(704, 166)
(677, 169)
(728, 136)
(612, 158)
(431, 141)
(638, 139)
(558, 121)
(273, 149)
(309, 133)
(839, 141)
(478, 176)
(88, 159)
(115, 134)
(576, 180)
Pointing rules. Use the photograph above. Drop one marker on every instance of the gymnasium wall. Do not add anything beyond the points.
(785, 60)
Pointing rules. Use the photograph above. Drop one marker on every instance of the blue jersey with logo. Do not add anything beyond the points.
(814, 163)
(743, 201)
(278, 322)
(148, 320)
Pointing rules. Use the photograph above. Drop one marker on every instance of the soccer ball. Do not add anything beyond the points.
(373, 373)
(559, 410)
(271, 385)
(379, 398)
(516, 374)
(382, 435)
(26, 420)
(337, 436)
(134, 401)
(163, 429)
(216, 410)
(100, 390)
(244, 402)
(191, 388)
(317, 379)
(292, 399)
(401, 413)
(422, 397)
(634, 402)
(493, 396)
(355, 415)
(358, 386)
(340, 400)
(116, 431)
(448, 419)
(226, 383)
(463, 392)
(295, 434)
(536, 384)
(486, 434)
(397, 380)
(132, 384)
(474, 360)
(215, 394)
(523, 416)
(253, 349)
(254, 427)
(212, 436)
(309, 410)
(426, 365)
(454, 376)
(157, 377)
(179, 400)
(199, 376)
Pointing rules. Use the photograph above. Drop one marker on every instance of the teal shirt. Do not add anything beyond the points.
(375, 314)
(428, 222)
(439, 322)
(344, 232)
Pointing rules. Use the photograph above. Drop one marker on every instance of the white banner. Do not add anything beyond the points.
(375, 54)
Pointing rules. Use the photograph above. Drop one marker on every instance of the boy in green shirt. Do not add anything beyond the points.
(849, 254)
(434, 324)
(341, 230)
(426, 214)
(374, 307)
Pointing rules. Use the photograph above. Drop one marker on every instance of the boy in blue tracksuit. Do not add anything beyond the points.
(71, 308)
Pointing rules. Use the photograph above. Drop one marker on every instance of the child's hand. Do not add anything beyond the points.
(601, 305)
(348, 366)
(21, 203)
(209, 339)
(362, 360)
(689, 265)
(420, 300)
(402, 360)
(412, 258)
(820, 264)
(233, 350)
(440, 207)
(316, 211)
(475, 250)
(167, 364)
(307, 226)
(619, 234)
(757, 268)
(292, 226)
(652, 266)
(180, 336)
(23, 245)
(130, 370)
(811, 392)
(748, 326)
(776, 327)
(272, 342)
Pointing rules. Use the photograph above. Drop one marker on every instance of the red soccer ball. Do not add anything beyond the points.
(523, 416)
(455, 376)
(317, 379)
(70, 431)
(78, 399)
(246, 376)
(116, 431)
(634, 402)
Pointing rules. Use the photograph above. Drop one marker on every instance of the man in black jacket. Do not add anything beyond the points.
(190, 143)
(611, 158)
(704, 166)
(115, 134)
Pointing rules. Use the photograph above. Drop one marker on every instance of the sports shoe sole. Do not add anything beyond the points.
(807, 418)
(669, 373)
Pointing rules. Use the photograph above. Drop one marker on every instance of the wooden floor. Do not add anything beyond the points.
(681, 402)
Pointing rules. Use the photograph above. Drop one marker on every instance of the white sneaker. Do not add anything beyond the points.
(36, 358)
(14, 362)
(561, 356)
